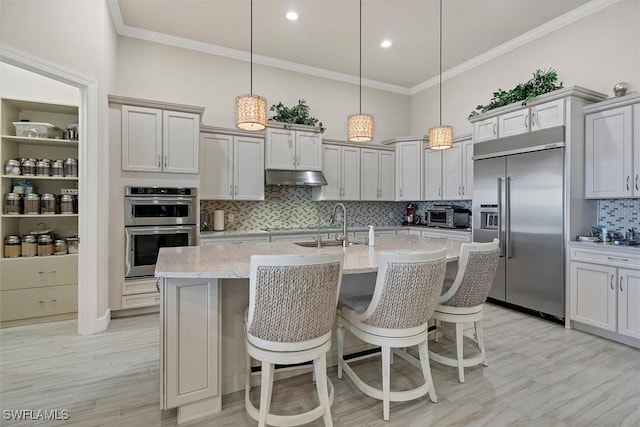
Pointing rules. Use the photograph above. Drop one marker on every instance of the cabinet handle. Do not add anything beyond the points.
(621, 283)
(439, 191)
(159, 164)
(47, 272)
(47, 301)
(157, 286)
(637, 182)
(533, 121)
(463, 190)
(611, 282)
(236, 190)
(495, 128)
(526, 121)
(166, 158)
(401, 192)
(628, 176)
(231, 190)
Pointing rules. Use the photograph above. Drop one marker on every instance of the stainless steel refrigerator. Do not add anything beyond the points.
(519, 198)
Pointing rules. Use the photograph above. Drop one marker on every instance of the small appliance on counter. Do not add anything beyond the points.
(446, 216)
(410, 217)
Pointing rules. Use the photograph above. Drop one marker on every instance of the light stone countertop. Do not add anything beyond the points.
(606, 247)
(251, 233)
(230, 261)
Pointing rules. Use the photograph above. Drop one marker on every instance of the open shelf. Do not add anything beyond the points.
(41, 141)
(39, 216)
(41, 177)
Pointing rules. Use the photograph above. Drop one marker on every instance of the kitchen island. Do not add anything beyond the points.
(204, 292)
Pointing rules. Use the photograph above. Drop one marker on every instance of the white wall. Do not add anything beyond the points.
(17, 83)
(164, 73)
(595, 52)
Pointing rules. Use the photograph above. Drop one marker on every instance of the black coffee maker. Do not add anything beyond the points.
(410, 217)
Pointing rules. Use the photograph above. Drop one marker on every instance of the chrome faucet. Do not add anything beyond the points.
(345, 235)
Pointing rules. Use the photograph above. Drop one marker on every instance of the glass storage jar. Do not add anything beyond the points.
(60, 247)
(71, 167)
(45, 245)
(43, 168)
(31, 204)
(57, 168)
(47, 204)
(29, 167)
(12, 204)
(29, 245)
(12, 247)
(72, 244)
(12, 167)
(67, 205)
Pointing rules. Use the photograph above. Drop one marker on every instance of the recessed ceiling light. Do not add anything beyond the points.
(292, 16)
(385, 43)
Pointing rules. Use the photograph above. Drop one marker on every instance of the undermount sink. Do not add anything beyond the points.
(323, 243)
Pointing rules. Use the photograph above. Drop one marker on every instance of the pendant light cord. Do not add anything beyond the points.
(440, 62)
(360, 70)
(251, 55)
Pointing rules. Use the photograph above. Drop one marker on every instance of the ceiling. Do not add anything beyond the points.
(324, 40)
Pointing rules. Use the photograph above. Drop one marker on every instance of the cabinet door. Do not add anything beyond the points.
(280, 149)
(191, 334)
(547, 115)
(513, 123)
(629, 302)
(180, 136)
(452, 173)
(216, 170)
(308, 151)
(467, 169)
(432, 175)
(350, 173)
(141, 139)
(369, 188)
(409, 158)
(485, 129)
(593, 295)
(386, 175)
(636, 150)
(608, 154)
(332, 169)
(248, 169)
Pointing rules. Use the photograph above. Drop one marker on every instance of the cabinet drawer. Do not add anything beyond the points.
(613, 258)
(140, 300)
(133, 287)
(38, 302)
(34, 272)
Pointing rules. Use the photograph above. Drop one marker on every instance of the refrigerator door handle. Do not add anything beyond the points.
(507, 228)
(499, 190)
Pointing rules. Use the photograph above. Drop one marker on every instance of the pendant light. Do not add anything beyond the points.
(441, 137)
(251, 110)
(360, 126)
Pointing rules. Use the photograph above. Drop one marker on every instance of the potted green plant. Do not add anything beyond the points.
(541, 82)
(296, 115)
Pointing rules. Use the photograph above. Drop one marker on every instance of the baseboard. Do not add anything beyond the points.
(102, 323)
(134, 311)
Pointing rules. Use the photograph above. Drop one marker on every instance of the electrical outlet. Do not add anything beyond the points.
(391, 215)
(231, 218)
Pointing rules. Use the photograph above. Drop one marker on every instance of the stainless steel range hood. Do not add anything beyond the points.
(290, 177)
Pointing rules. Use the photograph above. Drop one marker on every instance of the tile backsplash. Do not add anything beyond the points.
(292, 207)
(619, 214)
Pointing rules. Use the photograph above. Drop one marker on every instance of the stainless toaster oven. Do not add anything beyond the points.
(448, 216)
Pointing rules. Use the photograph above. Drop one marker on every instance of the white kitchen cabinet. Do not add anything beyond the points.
(449, 173)
(452, 173)
(604, 292)
(539, 116)
(291, 149)
(432, 174)
(190, 335)
(377, 174)
(155, 140)
(609, 157)
(232, 167)
(486, 129)
(341, 168)
(409, 170)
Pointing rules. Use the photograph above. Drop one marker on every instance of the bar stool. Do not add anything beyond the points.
(292, 303)
(462, 303)
(396, 316)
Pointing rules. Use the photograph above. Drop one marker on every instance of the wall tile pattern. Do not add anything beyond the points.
(619, 214)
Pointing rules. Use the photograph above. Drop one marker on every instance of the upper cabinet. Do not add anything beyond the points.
(292, 149)
(449, 173)
(409, 169)
(612, 148)
(377, 174)
(486, 129)
(539, 116)
(341, 168)
(232, 166)
(158, 137)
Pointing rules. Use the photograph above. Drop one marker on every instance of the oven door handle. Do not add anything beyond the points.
(160, 200)
(159, 229)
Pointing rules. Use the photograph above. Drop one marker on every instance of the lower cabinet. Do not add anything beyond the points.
(461, 236)
(605, 293)
(190, 332)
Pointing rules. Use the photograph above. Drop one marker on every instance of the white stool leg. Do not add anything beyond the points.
(265, 393)
(423, 349)
(480, 340)
(320, 370)
(386, 386)
(459, 353)
(247, 378)
(340, 343)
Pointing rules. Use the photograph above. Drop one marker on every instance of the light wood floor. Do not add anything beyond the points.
(539, 374)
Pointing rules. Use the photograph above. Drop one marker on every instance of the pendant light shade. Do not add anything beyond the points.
(441, 137)
(360, 126)
(251, 110)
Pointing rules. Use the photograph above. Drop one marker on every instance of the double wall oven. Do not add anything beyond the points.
(154, 218)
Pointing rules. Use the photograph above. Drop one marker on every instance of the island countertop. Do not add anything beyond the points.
(231, 261)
